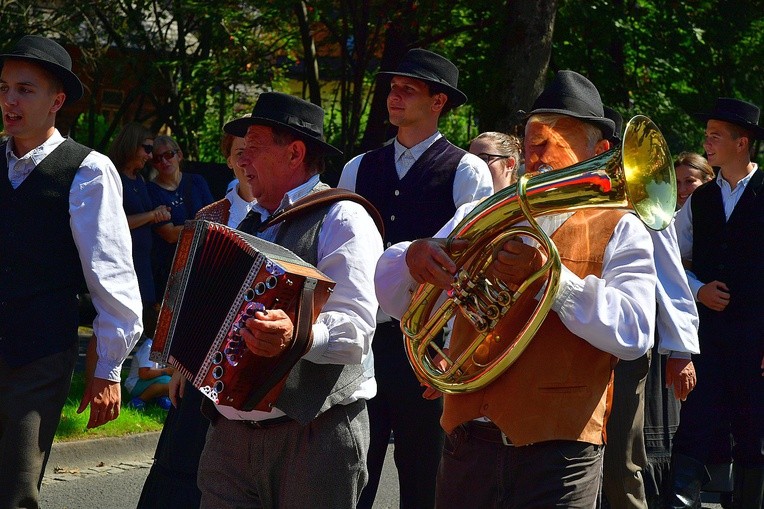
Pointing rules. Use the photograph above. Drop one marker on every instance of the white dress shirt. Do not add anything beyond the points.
(677, 320)
(683, 220)
(102, 236)
(349, 245)
(239, 207)
(614, 313)
(472, 180)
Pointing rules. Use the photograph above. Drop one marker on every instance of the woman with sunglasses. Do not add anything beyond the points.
(130, 151)
(182, 193)
(501, 152)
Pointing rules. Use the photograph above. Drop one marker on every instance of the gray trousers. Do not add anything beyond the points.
(625, 455)
(291, 466)
(31, 399)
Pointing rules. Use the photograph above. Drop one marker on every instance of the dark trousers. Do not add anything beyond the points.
(31, 399)
(414, 422)
(625, 456)
(730, 392)
(485, 473)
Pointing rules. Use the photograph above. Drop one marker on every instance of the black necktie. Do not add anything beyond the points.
(251, 223)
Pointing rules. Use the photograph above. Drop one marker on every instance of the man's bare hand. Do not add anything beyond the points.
(176, 388)
(680, 373)
(714, 295)
(268, 333)
(104, 397)
(516, 261)
(428, 261)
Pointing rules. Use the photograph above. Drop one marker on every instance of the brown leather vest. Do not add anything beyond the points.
(560, 388)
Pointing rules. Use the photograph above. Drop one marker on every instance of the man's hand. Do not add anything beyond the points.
(268, 333)
(516, 261)
(104, 397)
(714, 295)
(429, 262)
(176, 388)
(680, 373)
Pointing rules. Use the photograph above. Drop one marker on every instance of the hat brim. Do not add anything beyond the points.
(239, 128)
(455, 96)
(606, 125)
(757, 130)
(71, 83)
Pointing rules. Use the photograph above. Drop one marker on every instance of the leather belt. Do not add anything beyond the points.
(486, 431)
(269, 423)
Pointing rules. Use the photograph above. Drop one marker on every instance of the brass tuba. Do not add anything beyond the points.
(637, 175)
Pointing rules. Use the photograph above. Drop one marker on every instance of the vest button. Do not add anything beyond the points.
(397, 192)
(392, 218)
(389, 244)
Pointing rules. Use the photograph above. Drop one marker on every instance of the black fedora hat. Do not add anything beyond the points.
(274, 109)
(432, 68)
(736, 112)
(50, 55)
(617, 120)
(573, 95)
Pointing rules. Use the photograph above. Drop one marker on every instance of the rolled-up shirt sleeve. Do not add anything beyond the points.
(349, 245)
(102, 237)
(615, 312)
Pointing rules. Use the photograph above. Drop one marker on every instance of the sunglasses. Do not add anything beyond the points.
(165, 155)
(489, 158)
(148, 148)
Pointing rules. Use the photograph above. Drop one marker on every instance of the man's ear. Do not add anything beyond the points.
(439, 101)
(58, 102)
(602, 146)
(297, 152)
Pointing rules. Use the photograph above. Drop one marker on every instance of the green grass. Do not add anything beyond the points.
(73, 426)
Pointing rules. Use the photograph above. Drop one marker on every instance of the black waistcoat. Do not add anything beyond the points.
(418, 205)
(731, 251)
(40, 270)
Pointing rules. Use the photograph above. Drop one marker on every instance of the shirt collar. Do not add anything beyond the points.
(742, 183)
(290, 197)
(418, 149)
(36, 155)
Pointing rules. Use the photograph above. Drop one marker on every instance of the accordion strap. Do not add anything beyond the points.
(320, 198)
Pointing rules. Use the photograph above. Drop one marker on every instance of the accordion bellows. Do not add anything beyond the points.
(219, 278)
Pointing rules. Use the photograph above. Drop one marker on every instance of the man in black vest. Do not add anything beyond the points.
(61, 219)
(720, 232)
(310, 449)
(416, 182)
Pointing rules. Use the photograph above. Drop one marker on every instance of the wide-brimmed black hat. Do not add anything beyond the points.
(571, 94)
(274, 109)
(737, 112)
(617, 120)
(52, 56)
(434, 69)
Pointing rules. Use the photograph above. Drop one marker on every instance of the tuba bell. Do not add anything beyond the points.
(638, 175)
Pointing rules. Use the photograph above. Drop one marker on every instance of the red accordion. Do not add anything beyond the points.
(219, 278)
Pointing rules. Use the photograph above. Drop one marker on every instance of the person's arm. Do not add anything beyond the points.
(472, 180)
(616, 311)
(159, 214)
(102, 237)
(169, 232)
(148, 373)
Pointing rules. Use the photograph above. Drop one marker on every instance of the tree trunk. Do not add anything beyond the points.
(310, 63)
(522, 61)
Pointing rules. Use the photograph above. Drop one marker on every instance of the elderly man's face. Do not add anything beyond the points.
(558, 146)
(269, 167)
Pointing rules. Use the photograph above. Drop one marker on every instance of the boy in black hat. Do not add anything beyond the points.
(534, 437)
(309, 450)
(416, 182)
(720, 236)
(61, 219)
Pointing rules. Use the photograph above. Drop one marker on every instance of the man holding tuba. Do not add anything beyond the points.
(534, 437)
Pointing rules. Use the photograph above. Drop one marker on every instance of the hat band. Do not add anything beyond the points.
(734, 116)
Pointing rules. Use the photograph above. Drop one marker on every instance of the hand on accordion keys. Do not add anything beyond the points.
(268, 333)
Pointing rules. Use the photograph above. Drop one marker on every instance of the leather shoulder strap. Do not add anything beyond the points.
(320, 198)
